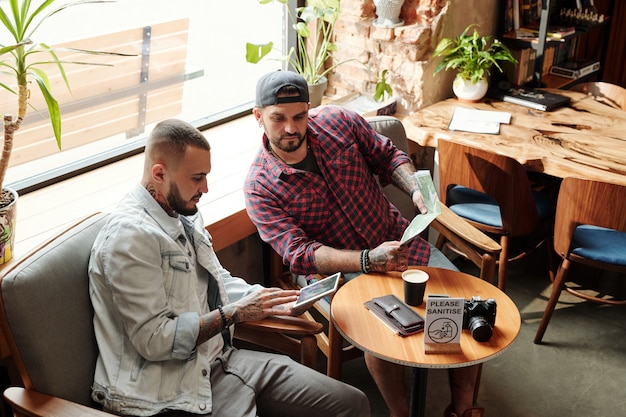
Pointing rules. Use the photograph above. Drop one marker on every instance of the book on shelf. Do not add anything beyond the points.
(548, 59)
(529, 97)
(553, 32)
(521, 73)
(522, 34)
(575, 69)
(508, 16)
(529, 11)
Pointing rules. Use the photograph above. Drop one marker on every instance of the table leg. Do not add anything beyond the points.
(417, 404)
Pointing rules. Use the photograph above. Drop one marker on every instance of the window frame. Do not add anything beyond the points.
(137, 146)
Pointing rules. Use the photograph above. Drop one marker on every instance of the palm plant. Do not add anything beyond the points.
(25, 60)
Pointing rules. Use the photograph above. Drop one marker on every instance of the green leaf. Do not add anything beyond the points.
(255, 53)
(51, 102)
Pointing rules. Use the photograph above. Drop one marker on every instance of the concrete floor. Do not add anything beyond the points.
(579, 370)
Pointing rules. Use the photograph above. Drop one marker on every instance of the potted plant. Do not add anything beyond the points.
(314, 26)
(24, 63)
(472, 56)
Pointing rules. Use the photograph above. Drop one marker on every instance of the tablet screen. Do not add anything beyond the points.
(319, 289)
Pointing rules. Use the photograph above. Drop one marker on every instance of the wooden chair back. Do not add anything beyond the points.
(585, 202)
(610, 94)
(499, 176)
(591, 202)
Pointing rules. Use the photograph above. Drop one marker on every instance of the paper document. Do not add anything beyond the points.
(431, 199)
(478, 121)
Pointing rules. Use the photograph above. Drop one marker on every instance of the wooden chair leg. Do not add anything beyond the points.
(335, 342)
(503, 262)
(308, 351)
(557, 287)
(441, 240)
(488, 268)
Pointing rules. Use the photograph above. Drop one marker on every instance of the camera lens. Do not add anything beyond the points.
(480, 329)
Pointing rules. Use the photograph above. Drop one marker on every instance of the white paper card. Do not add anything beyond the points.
(478, 121)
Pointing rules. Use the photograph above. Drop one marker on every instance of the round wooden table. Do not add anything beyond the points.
(365, 331)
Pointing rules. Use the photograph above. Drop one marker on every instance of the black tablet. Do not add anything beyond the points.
(317, 290)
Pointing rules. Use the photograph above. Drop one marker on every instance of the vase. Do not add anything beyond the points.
(316, 92)
(466, 90)
(8, 215)
(388, 13)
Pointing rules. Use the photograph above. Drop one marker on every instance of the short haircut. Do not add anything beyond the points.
(170, 139)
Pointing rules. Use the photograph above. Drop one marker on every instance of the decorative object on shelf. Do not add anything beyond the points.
(472, 56)
(388, 13)
(581, 18)
(314, 47)
(24, 63)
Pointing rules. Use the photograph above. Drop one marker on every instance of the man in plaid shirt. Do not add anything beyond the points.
(313, 196)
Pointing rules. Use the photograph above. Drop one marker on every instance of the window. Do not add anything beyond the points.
(219, 81)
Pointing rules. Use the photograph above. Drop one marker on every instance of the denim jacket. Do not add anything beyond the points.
(146, 310)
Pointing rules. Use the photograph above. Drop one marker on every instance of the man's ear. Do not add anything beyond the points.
(257, 115)
(158, 173)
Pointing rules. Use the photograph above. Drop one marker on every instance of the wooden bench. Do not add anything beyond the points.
(143, 87)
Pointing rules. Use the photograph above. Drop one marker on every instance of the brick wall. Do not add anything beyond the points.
(405, 51)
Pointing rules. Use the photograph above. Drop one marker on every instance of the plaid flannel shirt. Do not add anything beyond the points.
(297, 211)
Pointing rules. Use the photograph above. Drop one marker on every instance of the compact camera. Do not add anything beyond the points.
(479, 316)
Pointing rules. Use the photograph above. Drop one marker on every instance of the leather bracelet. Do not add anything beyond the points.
(365, 261)
(223, 316)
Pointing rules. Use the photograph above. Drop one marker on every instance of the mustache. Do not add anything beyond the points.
(290, 135)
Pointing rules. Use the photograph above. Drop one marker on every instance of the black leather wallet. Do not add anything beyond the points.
(396, 313)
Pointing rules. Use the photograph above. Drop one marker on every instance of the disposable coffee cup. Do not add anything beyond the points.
(414, 286)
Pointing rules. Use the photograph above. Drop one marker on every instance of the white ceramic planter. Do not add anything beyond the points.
(468, 91)
(388, 13)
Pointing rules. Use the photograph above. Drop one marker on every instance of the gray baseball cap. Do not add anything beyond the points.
(269, 84)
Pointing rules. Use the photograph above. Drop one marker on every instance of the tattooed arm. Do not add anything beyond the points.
(256, 306)
(403, 177)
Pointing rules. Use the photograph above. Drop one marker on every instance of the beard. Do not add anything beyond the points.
(289, 145)
(176, 203)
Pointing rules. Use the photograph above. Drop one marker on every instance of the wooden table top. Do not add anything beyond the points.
(586, 139)
(361, 328)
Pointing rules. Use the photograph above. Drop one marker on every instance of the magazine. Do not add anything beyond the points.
(431, 199)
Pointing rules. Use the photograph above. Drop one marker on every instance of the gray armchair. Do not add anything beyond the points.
(46, 317)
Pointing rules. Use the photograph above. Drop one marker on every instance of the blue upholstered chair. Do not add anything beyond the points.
(590, 229)
(494, 194)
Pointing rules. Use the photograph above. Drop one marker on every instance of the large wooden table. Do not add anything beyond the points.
(361, 328)
(586, 139)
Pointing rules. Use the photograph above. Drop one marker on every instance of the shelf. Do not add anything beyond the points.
(549, 18)
(554, 81)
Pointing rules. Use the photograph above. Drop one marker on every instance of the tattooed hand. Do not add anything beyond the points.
(418, 201)
(389, 256)
(263, 303)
